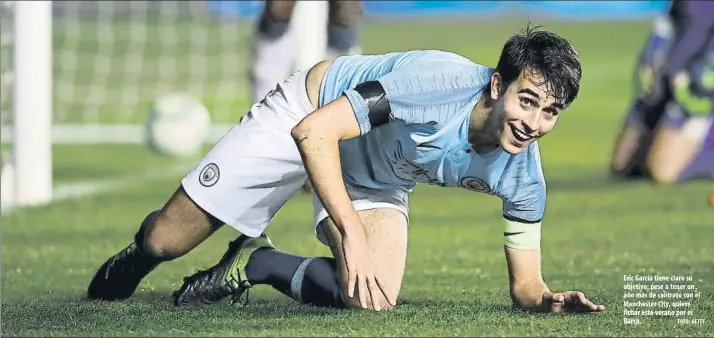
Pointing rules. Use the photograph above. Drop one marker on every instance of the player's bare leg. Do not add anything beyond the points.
(344, 28)
(309, 280)
(685, 152)
(165, 234)
(386, 232)
(630, 150)
(273, 46)
(634, 140)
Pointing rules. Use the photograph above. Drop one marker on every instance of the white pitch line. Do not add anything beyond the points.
(96, 187)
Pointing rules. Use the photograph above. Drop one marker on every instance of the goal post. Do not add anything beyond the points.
(309, 22)
(32, 103)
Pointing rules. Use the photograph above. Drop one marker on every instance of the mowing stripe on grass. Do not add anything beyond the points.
(96, 187)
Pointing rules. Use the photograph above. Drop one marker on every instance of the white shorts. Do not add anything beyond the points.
(256, 167)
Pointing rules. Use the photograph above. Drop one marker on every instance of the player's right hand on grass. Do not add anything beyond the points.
(568, 301)
(362, 273)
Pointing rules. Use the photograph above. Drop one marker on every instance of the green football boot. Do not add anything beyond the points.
(227, 278)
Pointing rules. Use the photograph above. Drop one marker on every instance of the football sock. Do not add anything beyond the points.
(645, 115)
(308, 280)
(341, 39)
(273, 47)
(702, 166)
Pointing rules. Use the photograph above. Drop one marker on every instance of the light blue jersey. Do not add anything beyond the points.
(431, 95)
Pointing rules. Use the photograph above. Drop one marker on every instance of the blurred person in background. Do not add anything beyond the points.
(274, 45)
(668, 134)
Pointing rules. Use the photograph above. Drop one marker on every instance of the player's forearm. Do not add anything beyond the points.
(523, 258)
(320, 154)
(528, 295)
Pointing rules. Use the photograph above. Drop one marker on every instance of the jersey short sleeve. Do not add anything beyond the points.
(523, 189)
(424, 87)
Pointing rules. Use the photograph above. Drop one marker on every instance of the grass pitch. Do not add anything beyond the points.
(595, 231)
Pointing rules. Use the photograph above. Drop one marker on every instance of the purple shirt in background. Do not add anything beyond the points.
(694, 25)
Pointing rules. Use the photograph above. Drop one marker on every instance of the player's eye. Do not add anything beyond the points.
(527, 102)
(551, 112)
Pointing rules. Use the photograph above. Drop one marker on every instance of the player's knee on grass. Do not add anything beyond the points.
(676, 148)
(660, 170)
(176, 229)
(386, 233)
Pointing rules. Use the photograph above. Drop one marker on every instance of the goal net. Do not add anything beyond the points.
(108, 62)
(113, 58)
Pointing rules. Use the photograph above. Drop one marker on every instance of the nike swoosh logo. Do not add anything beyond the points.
(512, 233)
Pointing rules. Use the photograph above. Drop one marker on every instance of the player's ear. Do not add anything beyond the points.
(495, 86)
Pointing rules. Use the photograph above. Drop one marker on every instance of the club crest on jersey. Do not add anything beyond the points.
(209, 175)
(475, 184)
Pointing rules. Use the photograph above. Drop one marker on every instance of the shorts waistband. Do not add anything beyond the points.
(299, 91)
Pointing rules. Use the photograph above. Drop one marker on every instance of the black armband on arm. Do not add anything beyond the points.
(373, 93)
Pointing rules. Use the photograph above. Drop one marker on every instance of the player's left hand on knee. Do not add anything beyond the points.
(568, 301)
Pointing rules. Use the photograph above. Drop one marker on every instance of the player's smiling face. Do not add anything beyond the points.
(528, 111)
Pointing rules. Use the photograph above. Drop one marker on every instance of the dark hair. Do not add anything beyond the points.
(546, 54)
